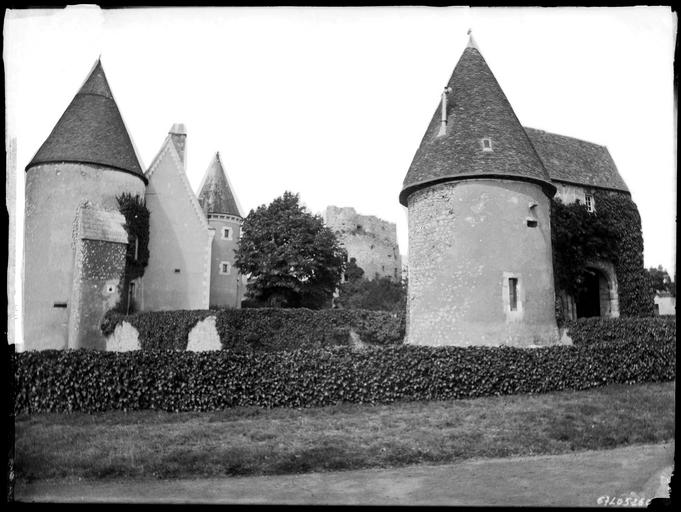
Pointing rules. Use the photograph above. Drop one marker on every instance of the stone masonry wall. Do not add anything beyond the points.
(53, 195)
(467, 239)
(368, 239)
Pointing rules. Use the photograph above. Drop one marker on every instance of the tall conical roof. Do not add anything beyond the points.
(91, 131)
(215, 194)
(477, 109)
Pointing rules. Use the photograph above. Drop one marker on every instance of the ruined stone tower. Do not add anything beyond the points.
(75, 243)
(222, 211)
(478, 199)
(368, 239)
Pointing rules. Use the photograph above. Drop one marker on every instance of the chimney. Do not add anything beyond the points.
(178, 134)
(443, 122)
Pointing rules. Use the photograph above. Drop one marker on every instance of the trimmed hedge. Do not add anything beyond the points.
(91, 381)
(265, 329)
(644, 329)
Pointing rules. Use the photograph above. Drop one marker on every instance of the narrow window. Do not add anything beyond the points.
(513, 293)
(589, 200)
(226, 233)
(225, 267)
(131, 296)
(487, 144)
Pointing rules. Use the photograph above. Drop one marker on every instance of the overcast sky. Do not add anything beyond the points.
(332, 103)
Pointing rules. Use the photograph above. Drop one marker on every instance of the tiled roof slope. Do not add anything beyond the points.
(576, 161)
(91, 131)
(215, 192)
(476, 108)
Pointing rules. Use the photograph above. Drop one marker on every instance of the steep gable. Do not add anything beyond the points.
(178, 273)
(168, 153)
(477, 109)
(91, 131)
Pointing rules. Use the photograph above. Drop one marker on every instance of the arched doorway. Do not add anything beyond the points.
(599, 296)
(589, 299)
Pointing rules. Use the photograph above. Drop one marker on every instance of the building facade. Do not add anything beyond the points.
(75, 240)
(479, 195)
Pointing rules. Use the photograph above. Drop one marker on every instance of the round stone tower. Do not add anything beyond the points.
(88, 159)
(222, 211)
(478, 199)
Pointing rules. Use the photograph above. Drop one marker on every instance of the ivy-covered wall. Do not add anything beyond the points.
(611, 233)
(136, 214)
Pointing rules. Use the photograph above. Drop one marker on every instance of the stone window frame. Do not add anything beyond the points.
(222, 267)
(486, 143)
(518, 313)
(229, 233)
(590, 203)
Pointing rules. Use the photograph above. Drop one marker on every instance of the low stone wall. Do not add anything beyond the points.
(124, 338)
(204, 336)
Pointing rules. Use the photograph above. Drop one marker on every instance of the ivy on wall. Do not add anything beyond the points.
(620, 212)
(611, 233)
(136, 216)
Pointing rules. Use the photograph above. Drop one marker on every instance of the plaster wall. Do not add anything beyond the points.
(124, 339)
(368, 239)
(569, 193)
(666, 305)
(178, 273)
(53, 195)
(226, 290)
(466, 239)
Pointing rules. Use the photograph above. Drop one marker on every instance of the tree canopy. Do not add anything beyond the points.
(382, 294)
(660, 280)
(290, 258)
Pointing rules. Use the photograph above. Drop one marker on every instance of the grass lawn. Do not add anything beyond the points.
(254, 441)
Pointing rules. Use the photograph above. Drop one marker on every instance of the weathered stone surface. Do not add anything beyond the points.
(368, 239)
(465, 239)
(204, 336)
(54, 193)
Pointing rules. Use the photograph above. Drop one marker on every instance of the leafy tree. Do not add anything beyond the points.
(660, 281)
(353, 271)
(382, 294)
(290, 257)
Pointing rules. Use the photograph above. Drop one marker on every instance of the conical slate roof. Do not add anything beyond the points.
(477, 108)
(215, 194)
(91, 131)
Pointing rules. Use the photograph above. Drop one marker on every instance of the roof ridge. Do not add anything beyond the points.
(565, 136)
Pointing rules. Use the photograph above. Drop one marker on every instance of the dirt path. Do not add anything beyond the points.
(577, 479)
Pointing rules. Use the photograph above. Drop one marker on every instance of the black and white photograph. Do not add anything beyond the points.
(341, 255)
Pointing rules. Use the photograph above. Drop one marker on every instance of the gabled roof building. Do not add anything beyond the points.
(478, 193)
(76, 243)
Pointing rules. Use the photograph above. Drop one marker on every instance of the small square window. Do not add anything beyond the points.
(487, 144)
(225, 268)
(226, 233)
